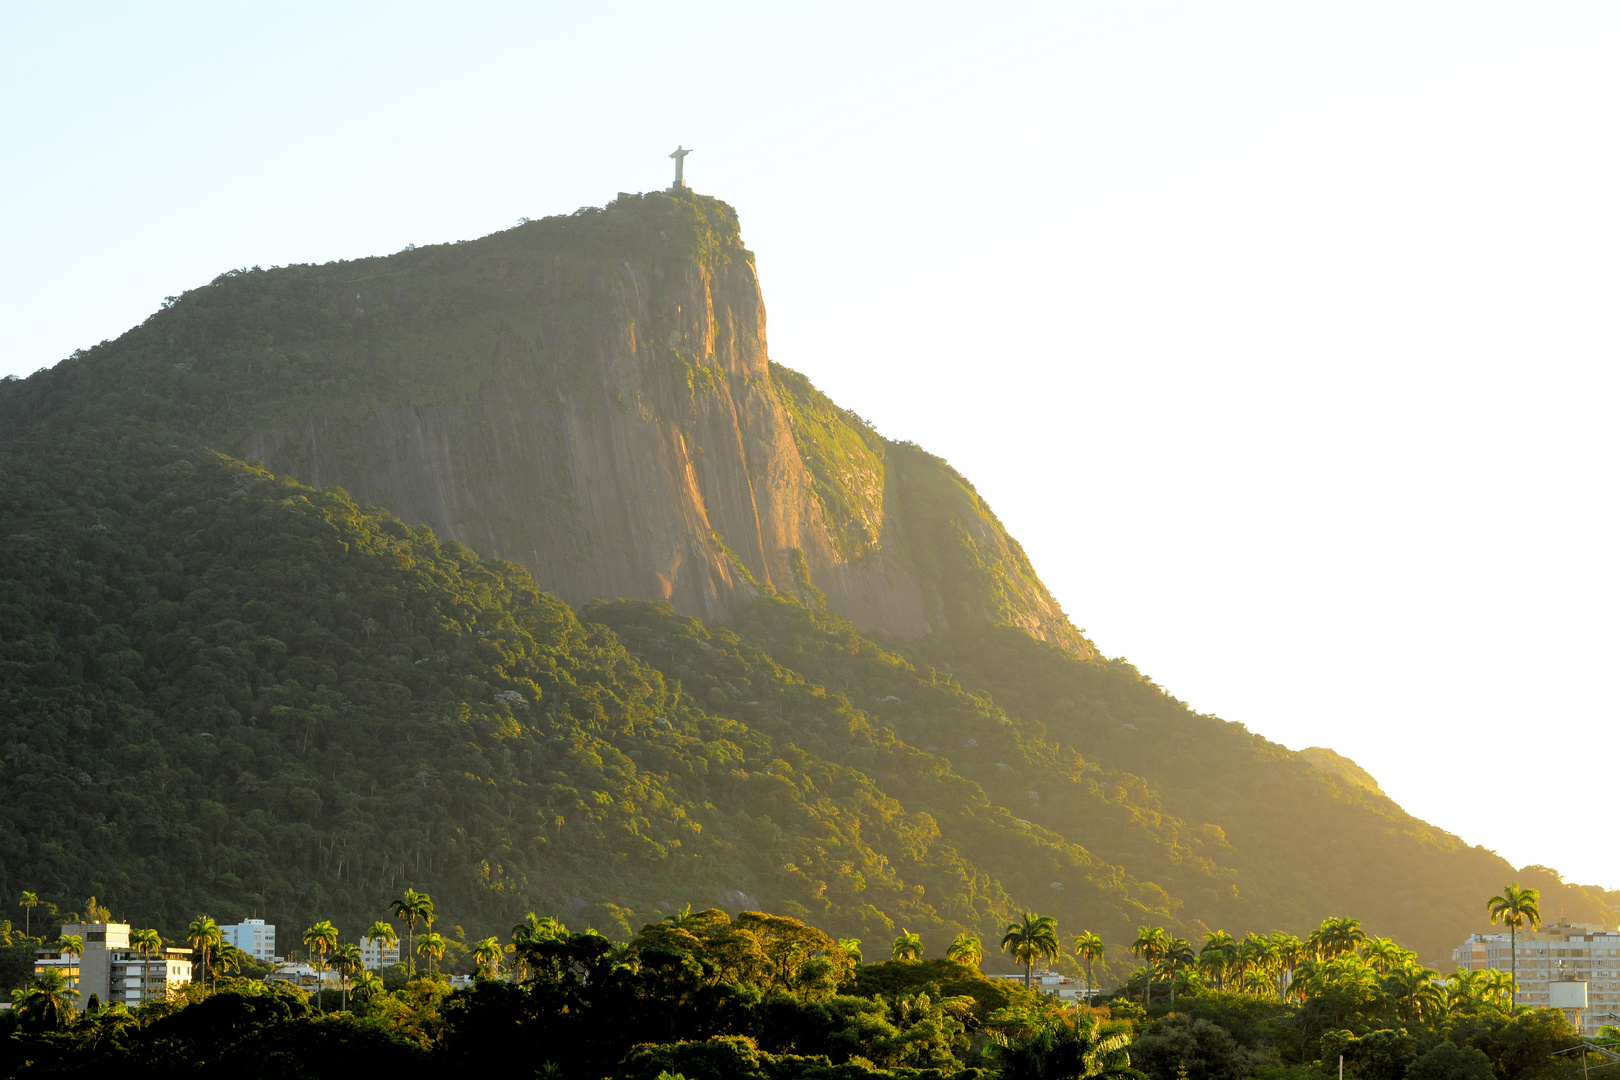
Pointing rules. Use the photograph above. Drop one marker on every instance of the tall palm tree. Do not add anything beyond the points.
(487, 955)
(1218, 946)
(1497, 988)
(1259, 955)
(1417, 995)
(965, 949)
(321, 939)
(1289, 953)
(203, 935)
(384, 935)
(1516, 907)
(71, 945)
(851, 947)
(1030, 939)
(230, 958)
(907, 946)
(431, 947)
(1337, 936)
(1382, 954)
(408, 909)
(1089, 947)
(28, 903)
(1212, 966)
(1150, 943)
(1178, 956)
(347, 960)
(148, 942)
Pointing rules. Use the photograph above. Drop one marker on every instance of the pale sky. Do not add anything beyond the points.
(1283, 334)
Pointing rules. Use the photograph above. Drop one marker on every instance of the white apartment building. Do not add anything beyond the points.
(133, 978)
(1552, 961)
(378, 954)
(111, 970)
(254, 937)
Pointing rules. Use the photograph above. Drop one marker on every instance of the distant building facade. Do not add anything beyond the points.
(1053, 984)
(1551, 961)
(111, 970)
(134, 978)
(254, 937)
(378, 954)
(305, 976)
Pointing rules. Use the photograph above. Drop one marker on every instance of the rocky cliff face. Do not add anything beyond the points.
(594, 400)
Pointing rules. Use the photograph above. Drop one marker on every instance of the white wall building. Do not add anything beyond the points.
(1562, 954)
(133, 978)
(254, 937)
(113, 971)
(378, 954)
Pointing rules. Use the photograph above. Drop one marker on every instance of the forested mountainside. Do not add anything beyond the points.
(224, 690)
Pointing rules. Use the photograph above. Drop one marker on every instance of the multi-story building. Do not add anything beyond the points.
(1551, 961)
(378, 954)
(135, 977)
(254, 937)
(110, 970)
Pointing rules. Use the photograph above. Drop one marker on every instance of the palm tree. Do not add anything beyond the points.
(1289, 953)
(47, 1001)
(1382, 954)
(347, 960)
(28, 903)
(71, 945)
(1150, 943)
(321, 939)
(1088, 947)
(851, 947)
(432, 947)
(907, 946)
(1178, 956)
(1336, 937)
(384, 935)
(1498, 988)
(203, 935)
(1218, 946)
(230, 958)
(1417, 995)
(408, 909)
(966, 949)
(367, 985)
(148, 942)
(1257, 983)
(1030, 939)
(1516, 907)
(487, 955)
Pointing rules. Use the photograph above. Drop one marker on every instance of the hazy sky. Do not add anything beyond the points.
(1282, 334)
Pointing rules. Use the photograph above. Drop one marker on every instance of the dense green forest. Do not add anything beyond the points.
(223, 691)
(709, 996)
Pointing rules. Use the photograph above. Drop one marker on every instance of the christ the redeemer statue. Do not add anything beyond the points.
(680, 161)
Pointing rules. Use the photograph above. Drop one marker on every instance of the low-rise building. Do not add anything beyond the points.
(306, 976)
(1053, 983)
(1551, 960)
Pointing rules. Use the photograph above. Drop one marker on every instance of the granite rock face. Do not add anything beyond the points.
(616, 426)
